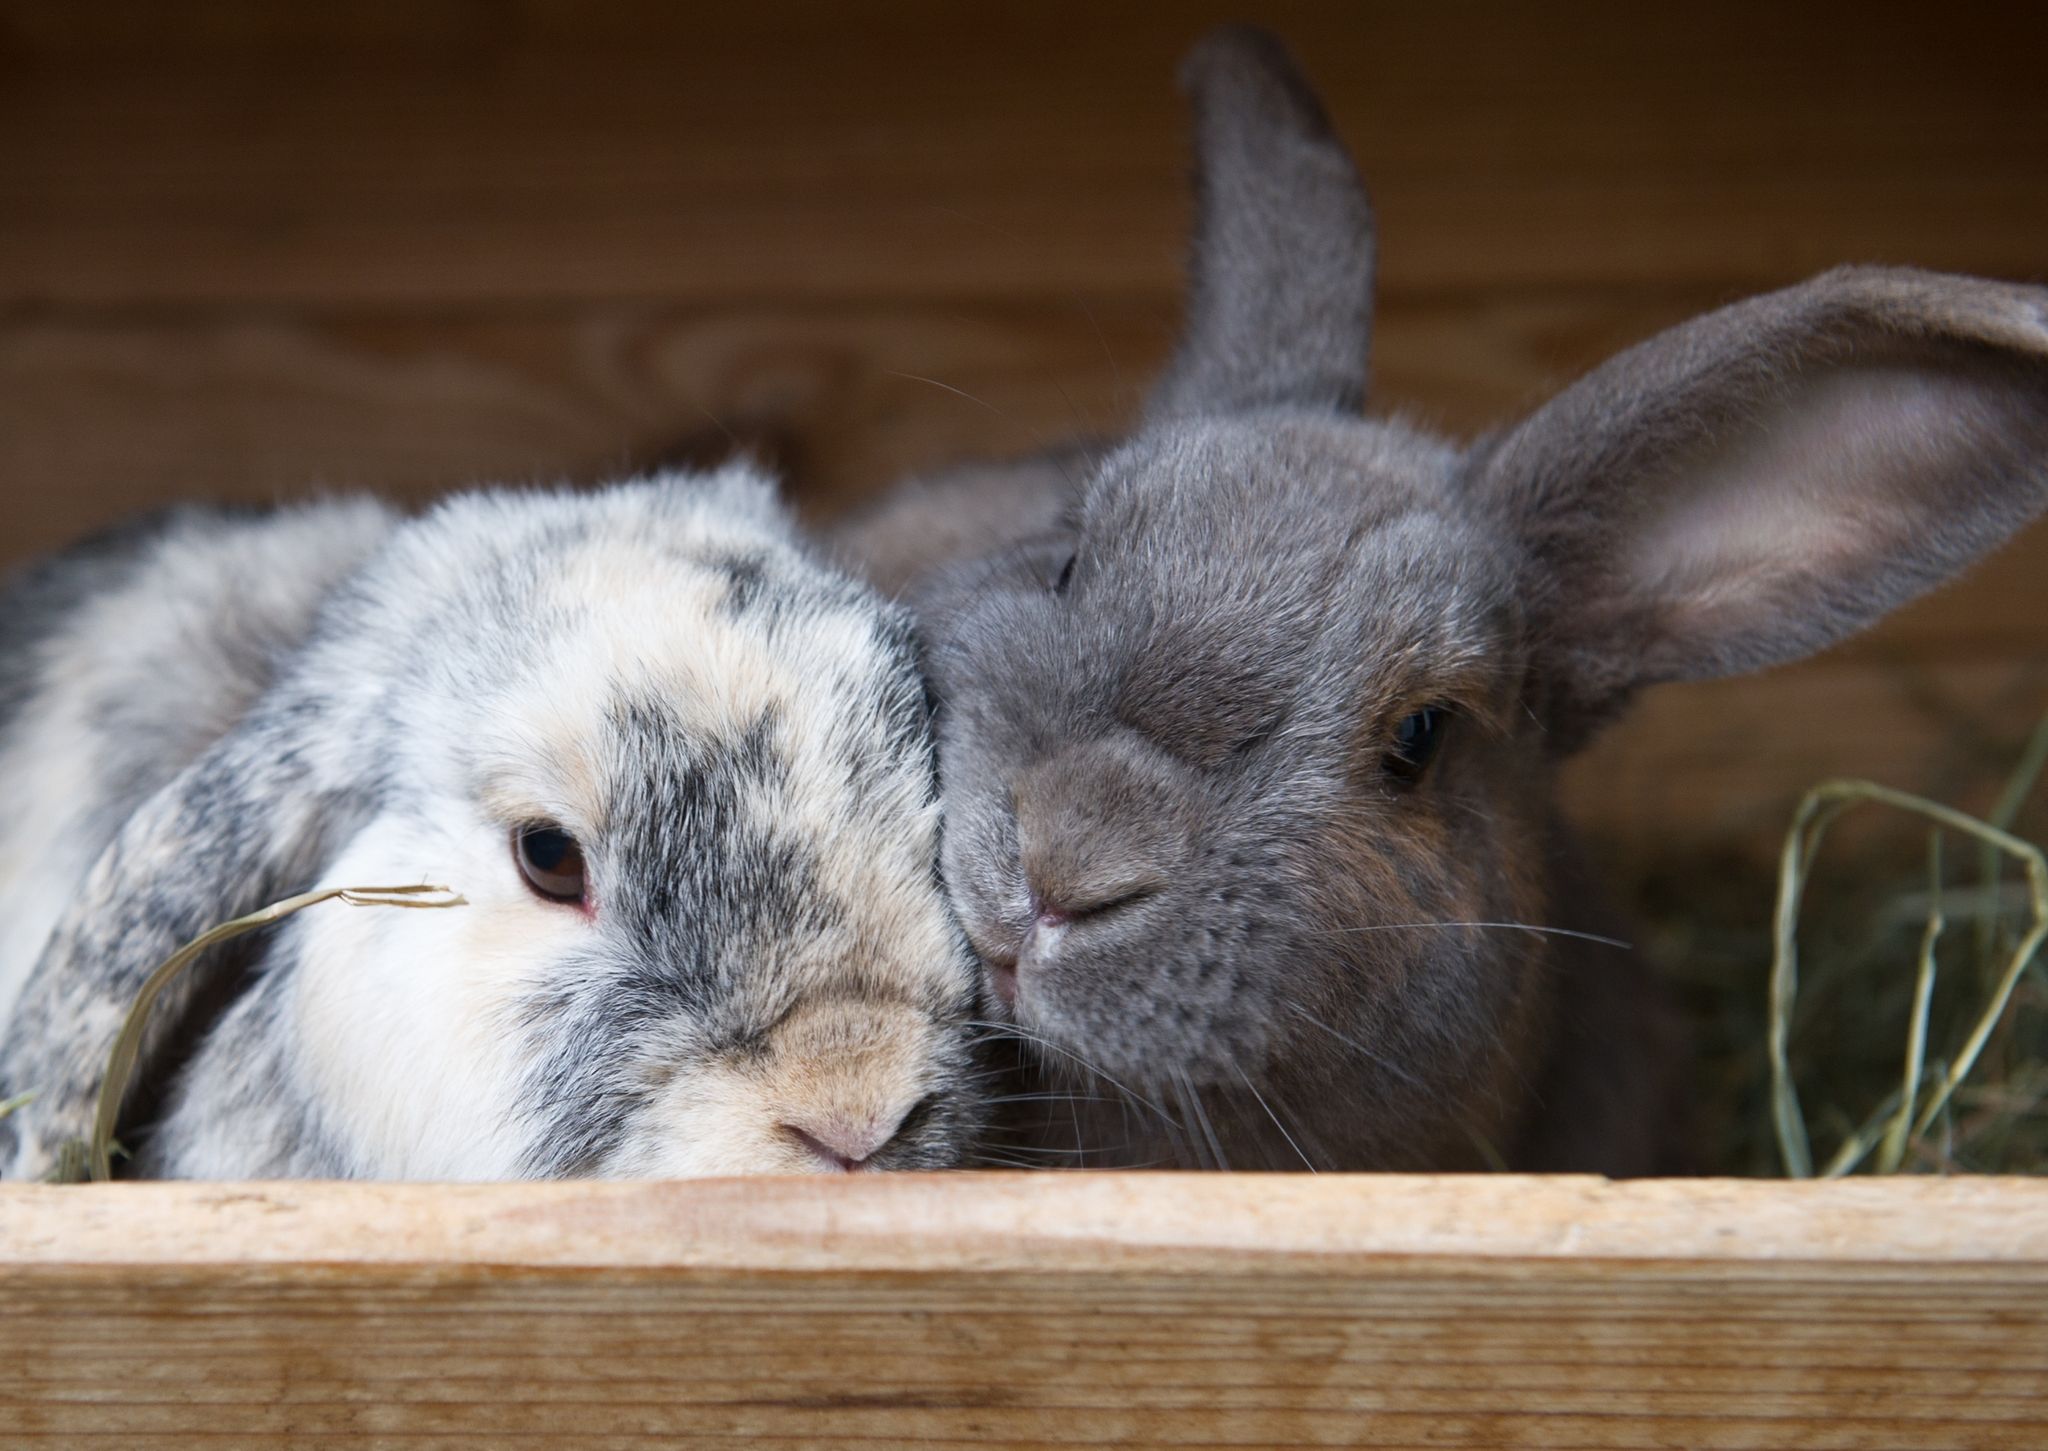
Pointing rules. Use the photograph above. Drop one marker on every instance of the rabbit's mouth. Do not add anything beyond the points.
(1002, 979)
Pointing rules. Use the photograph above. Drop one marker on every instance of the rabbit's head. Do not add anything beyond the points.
(1248, 762)
(682, 775)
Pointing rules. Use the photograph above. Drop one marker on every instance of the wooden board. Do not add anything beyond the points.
(250, 250)
(236, 151)
(995, 1310)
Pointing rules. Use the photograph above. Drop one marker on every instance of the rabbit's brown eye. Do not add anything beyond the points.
(550, 860)
(1417, 739)
(1066, 575)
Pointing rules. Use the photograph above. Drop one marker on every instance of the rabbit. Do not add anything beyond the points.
(1248, 736)
(680, 770)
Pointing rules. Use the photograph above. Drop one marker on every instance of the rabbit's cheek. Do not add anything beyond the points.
(408, 1019)
(33, 895)
(403, 1035)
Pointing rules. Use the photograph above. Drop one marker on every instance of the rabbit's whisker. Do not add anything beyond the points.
(1192, 1097)
(948, 387)
(1573, 932)
(1052, 1098)
(1116, 372)
(1038, 1040)
(1260, 1099)
(1046, 1151)
(1357, 1047)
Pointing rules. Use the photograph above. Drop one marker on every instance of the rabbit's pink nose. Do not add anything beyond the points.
(841, 1147)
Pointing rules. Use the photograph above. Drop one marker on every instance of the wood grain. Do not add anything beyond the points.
(1019, 1310)
(248, 251)
(456, 150)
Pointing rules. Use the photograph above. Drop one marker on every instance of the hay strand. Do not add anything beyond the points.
(128, 1043)
(2018, 787)
(1817, 811)
(1892, 1152)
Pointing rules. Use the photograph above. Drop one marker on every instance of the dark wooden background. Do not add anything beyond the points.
(249, 250)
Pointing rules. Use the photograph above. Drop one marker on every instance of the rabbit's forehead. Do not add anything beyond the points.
(633, 687)
(1286, 518)
(547, 639)
(1279, 473)
(1358, 596)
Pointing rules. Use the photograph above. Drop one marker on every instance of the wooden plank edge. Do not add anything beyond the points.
(1078, 1222)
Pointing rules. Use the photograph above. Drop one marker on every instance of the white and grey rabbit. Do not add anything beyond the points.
(1248, 737)
(681, 771)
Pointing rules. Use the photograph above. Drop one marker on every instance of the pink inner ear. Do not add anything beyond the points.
(1836, 478)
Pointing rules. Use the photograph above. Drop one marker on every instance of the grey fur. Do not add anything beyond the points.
(733, 717)
(1166, 705)
(1279, 305)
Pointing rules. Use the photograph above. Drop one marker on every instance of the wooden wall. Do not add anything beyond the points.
(248, 250)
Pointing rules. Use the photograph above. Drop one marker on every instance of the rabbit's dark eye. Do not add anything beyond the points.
(1417, 739)
(1066, 575)
(551, 861)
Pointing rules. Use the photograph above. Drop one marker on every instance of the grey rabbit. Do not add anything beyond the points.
(1249, 722)
(681, 771)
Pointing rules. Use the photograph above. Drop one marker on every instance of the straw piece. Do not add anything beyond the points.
(128, 1043)
(1816, 812)
(1893, 1151)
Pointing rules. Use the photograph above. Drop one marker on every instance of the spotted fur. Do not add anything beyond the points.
(212, 712)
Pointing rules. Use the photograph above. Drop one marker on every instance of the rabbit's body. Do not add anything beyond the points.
(758, 974)
(1249, 737)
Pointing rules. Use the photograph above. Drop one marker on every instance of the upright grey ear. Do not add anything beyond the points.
(1756, 484)
(244, 825)
(1279, 306)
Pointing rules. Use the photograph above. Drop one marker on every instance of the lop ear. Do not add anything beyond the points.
(1762, 481)
(1279, 307)
(244, 825)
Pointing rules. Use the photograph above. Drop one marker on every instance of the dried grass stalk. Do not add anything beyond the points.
(1906, 1114)
(121, 1061)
